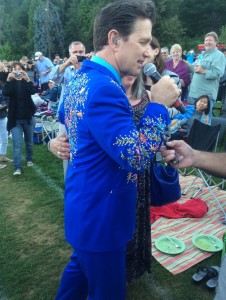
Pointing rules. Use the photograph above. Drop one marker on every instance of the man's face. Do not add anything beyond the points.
(132, 53)
(165, 54)
(77, 50)
(210, 43)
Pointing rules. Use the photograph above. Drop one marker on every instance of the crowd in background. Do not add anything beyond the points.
(197, 76)
(187, 65)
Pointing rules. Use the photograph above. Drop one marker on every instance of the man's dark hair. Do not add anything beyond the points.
(121, 16)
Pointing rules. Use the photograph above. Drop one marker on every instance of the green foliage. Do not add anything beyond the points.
(23, 24)
(200, 17)
(6, 52)
(168, 28)
(33, 248)
(222, 35)
(48, 33)
(192, 43)
(170, 31)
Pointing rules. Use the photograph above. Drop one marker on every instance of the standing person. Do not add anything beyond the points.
(180, 67)
(3, 118)
(207, 71)
(157, 59)
(3, 130)
(43, 67)
(19, 89)
(214, 163)
(165, 53)
(57, 60)
(138, 254)
(62, 75)
(106, 150)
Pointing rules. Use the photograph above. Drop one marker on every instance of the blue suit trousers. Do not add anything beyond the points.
(96, 275)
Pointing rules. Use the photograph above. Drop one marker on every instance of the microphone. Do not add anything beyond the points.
(150, 71)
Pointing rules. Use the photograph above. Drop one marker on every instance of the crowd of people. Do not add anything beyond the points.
(113, 120)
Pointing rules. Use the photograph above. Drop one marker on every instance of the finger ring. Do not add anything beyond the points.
(58, 153)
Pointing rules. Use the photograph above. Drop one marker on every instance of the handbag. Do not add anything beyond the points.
(165, 186)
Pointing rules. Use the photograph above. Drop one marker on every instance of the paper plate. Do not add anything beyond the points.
(207, 242)
(168, 245)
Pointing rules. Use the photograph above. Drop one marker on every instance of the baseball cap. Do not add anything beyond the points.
(51, 81)
(37, 55)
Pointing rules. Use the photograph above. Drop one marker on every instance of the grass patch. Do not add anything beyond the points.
(33, 251)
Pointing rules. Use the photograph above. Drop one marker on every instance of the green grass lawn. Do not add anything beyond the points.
(33, 251)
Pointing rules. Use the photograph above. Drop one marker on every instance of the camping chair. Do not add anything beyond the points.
(204, 138)
(50, 128)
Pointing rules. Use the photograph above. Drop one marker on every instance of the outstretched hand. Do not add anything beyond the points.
(180, 149)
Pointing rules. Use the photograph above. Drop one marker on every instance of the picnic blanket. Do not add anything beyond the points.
(186, 228)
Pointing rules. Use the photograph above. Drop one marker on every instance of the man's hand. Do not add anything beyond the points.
(199, 69)
(184, 153)
(44, 73)
(60, 147)
(165, 91)
(71, 61)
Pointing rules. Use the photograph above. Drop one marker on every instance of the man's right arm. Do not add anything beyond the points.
(214, 163)
(55, 76)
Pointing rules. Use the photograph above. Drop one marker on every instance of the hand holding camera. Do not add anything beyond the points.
(18, 75)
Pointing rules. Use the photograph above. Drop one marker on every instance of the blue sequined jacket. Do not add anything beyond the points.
(107, 151)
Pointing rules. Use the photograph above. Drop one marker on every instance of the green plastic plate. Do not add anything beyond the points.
(172, 246)
(207, 242)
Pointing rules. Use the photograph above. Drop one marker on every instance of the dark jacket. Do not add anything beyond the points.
(3, 111)
(9, 90)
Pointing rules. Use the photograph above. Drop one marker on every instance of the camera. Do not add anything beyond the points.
(80, 58)
(17, 74)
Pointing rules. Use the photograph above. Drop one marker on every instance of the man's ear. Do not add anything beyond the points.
(113, 38)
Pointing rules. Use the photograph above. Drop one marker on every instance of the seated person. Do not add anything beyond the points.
(51, 94)
(182, 123)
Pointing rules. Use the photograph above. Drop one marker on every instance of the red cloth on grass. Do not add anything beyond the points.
(193, 208)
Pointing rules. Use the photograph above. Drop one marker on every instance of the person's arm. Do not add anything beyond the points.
(214, 163)
(55, 76)
(7, 88)
(216, 70)
(60, 146)
(71, 61)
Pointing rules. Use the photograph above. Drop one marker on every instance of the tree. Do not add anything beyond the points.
(6, 52)
(81, 14)
(170, 32)
(48, 35)
(203, 16)
(222, 36)
(168, 29)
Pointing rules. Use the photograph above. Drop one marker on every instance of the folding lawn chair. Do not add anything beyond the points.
(50, 128)
(204, 138)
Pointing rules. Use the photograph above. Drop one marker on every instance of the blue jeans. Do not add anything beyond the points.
(3, 136)
(22, 127)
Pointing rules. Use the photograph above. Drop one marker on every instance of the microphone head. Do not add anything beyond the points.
(149, 69)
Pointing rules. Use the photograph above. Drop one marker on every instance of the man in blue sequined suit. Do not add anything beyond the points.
(107, 151)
